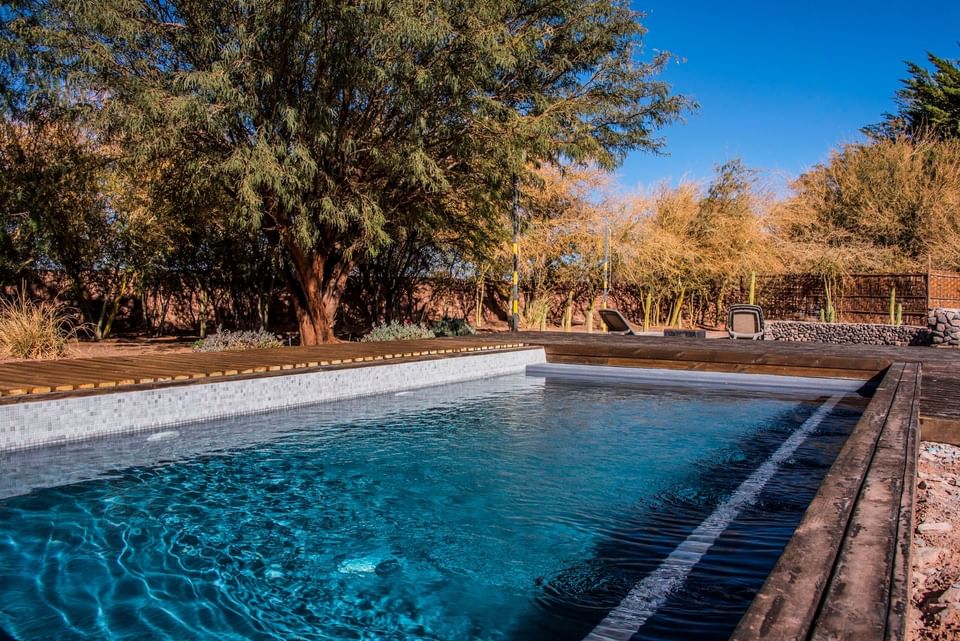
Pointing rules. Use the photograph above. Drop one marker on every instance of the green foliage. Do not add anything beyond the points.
(235, 341)
(334, 127)
(397, 331)
(452, 327)
(928, 104)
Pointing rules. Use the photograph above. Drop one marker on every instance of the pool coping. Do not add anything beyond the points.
(845, 572)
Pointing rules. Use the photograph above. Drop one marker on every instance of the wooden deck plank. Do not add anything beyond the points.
(857, 602)
(900, 585)
(787, 604)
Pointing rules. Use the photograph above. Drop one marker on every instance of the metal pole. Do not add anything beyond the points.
(606, 261)
(515, 295)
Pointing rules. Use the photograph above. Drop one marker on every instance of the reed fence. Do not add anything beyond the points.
(858, 298)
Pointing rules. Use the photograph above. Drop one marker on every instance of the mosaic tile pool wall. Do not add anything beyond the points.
(37, 423)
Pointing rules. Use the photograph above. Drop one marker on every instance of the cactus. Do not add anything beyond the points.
(831, 313)
(753, 288)
(893, 306)
(899, 313)
(823, 318)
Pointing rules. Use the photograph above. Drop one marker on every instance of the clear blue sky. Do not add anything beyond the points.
(782, 83)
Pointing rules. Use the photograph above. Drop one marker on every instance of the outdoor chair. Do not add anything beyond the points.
(745, 321)
(617, 324)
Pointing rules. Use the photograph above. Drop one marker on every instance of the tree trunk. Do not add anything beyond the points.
(478, 320)
(568, 313)
(319, 282)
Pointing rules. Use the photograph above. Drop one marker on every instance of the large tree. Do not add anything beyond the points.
(332, 123)
(928, 104)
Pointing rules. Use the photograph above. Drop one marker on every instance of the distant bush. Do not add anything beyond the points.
(226, 341)
(452, 327)
(398, 332)
(35, 330)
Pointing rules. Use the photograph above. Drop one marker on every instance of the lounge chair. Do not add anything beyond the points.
(617, 324)
(745, 321)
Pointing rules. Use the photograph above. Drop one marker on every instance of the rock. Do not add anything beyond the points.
(922, 485)
(950, 596)
(926, 556)
(935, 528)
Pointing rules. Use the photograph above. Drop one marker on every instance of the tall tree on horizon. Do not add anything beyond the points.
(332, 125)
(928, 104)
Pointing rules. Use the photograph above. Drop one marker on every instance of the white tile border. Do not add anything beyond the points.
(39, 423)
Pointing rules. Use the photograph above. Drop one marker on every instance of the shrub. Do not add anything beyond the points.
(452, 327)
(36, 330)
(226, 341)
(536, 314)
(398, 332)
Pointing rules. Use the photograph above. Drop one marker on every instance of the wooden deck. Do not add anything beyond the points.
(36, 380)
(940, 383)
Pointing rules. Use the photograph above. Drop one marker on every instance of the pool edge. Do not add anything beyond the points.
(61, 420)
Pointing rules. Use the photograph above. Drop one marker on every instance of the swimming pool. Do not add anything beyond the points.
(502, 509)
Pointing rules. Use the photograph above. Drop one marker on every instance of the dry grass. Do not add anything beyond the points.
(888, 205)
(36, 330)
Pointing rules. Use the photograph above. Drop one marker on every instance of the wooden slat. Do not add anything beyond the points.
(900, 585)
(857, 602)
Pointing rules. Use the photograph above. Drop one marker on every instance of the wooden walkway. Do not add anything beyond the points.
(35, 380)
(845, 574)
(940, 383)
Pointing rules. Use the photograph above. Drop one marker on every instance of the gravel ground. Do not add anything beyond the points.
(935, 607)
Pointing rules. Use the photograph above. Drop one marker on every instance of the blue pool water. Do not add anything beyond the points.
(505, 509)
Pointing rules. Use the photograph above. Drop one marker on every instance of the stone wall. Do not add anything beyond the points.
(846, 333)
(944, 325)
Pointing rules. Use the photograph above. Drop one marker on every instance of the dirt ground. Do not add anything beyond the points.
(935, 607)
(123, 347)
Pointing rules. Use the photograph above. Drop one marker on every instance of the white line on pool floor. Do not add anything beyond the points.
(651, 592)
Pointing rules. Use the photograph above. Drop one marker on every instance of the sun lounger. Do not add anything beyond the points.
(617, 324)
(745, 321)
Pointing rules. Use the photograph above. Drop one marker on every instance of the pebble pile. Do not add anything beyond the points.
(847, 333)
(935, 572)
(944, 327)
